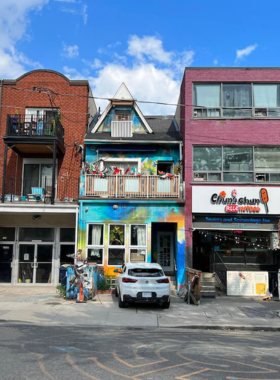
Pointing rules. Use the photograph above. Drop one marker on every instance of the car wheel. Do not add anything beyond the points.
(116, 292)
(121, 303)
(166, 305)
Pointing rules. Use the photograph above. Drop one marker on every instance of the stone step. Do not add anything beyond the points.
(206, 288)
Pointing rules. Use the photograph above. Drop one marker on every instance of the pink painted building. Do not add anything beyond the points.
(230, 122)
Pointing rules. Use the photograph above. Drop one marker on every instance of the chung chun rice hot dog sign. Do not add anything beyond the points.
(249, 200)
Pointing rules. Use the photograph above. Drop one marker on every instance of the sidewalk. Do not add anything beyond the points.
(42, 305)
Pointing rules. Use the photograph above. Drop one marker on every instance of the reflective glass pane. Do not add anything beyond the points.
(116, 256)
(66, 249)
(138, 235)
(30, 177)
(95, 255)
(137, 255)
(200, 177)
(238, 158)
(25, 274)
(46, 178)
(67, 235)
(207, 158)
(275, 177)
(237, 95)
(214, 177)
(7, 234)
(207, 95)
(95, 234)
(26, 253)
(266, 95)
(44, 273)
(231, 112)
(267, 159)
(274, 112)
(238, 177)
(43, 234)
(44, 253)
(116, 234)
(213, 113)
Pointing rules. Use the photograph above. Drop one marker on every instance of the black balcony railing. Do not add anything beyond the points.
(33, 126)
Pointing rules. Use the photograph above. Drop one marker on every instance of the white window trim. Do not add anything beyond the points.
(90, 246)
(39, 161)
(116, 246)
(138, 246)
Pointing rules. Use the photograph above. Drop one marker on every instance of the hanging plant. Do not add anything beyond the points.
(116, 236)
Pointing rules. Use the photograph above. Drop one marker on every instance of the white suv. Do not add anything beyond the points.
(142, 282)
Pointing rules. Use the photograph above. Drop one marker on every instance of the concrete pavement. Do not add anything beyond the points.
(41, 305)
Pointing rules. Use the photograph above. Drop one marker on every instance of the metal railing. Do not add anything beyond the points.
(66, 190)
(33, 126)
(219, 268)
(126, 186)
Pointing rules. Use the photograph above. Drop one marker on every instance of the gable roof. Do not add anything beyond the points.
(164, 129)
(122, 94)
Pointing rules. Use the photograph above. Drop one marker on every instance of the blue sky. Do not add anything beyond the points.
(146, 44)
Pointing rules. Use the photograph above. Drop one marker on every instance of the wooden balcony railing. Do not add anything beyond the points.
(125, 186)
(33, 126)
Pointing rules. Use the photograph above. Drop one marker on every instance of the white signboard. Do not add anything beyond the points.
(247, 283)
(236, 200)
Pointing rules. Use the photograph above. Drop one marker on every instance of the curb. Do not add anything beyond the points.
(139, 328)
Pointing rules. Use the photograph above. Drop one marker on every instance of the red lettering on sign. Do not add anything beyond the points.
(232, 208)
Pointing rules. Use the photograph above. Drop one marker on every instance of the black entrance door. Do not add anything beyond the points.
(6, 258)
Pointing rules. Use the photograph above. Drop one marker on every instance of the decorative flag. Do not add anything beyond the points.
(160, 173)
(166, 175)
(133, 170)
(116, 170)
(139, 174)
(127, 170)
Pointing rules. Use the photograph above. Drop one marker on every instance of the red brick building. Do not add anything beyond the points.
(43, 119)
(230, 124)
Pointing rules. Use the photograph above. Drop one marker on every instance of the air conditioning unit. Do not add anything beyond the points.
(261, 177)
(121, 128)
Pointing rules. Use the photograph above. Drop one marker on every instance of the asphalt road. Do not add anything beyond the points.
(34, 352)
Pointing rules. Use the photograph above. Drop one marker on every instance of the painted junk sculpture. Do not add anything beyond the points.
(97, 167)
(79, 280)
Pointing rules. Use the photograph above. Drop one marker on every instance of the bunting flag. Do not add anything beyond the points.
(160, 173)
(127, 170)
(133, 171)
(116, 170)
(166, 175)
(104, 173)
(140, 174)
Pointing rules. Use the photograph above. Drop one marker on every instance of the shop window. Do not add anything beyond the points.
(267, 159)
(238, 177)
(30, 234)
(207, 158)
(138, 242)
(116, 250)
(67, 235)
(95, 243)
(7, 234)
(238, 159)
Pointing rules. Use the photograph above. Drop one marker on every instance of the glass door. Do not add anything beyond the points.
(6, 258)
(35, 263)
(26, 263)
(165, 251)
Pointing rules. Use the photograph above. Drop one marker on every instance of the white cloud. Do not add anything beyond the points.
(184, 59)
(240, 54)
(70, 51)
(149, 46)
(111, 46)
(215, 62)
(95, 64)
(84, 14)
(14, 21)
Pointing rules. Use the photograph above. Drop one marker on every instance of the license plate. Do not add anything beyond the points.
(146, 295)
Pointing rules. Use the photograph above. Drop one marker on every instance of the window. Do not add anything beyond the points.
(7, 234)
(236, 164)
(95, 243)
(67, 235)
(123, 115)
(41, 114)
(43, 234)
(236, 100)
(165, 166)
(138, 242)
(116, 250)
(37, 175)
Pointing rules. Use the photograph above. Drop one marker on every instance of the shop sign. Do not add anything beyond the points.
(235, 222)
(248, 200)
(247, 283)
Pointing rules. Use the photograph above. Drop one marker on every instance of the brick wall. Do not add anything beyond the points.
(221, 132)
(74, 111)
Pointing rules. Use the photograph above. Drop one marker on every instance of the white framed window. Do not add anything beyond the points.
(137, 242)
(116, 244)
(95, 242)
(41, 114)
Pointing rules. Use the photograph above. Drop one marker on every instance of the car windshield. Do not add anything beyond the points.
(145, 272)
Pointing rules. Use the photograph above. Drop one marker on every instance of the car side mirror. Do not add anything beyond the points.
(117, 271)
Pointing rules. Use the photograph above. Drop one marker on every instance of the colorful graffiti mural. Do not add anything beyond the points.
(134, 212)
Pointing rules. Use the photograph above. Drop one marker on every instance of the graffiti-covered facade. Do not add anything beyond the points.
(131, 202)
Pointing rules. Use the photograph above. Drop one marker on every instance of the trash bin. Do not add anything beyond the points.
(63, 274)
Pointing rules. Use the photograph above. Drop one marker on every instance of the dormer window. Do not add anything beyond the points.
(122, 126)
(123, 116)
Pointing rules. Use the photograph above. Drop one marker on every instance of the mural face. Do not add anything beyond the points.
(138, 126)
(129, 213)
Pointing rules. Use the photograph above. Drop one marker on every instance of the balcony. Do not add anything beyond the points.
(124, 186)
(32, 134)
